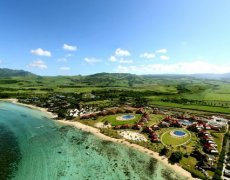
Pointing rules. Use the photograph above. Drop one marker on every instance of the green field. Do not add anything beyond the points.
(155, 119)
(114, 122)
(169, 140)
(189, 164)
(165, 91)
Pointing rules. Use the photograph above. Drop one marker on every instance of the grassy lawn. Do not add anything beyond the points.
(192, 144)
(210, 173)
(99, 104)
(89, 122)
(155, 119)
(218, 138)
(114, 122)
(189, 165)
(193, 107)
(170, 140)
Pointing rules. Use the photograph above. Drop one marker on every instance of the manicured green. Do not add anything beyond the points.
(170, 140)
(114, 122)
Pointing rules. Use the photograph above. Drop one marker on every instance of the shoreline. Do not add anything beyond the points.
(44, 110)
(178, 169)
(95, 131)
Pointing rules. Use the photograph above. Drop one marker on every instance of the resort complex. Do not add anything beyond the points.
(196, 142)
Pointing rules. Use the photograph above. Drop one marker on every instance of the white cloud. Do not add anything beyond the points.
(119, 56)
(124, 61)
(120, 60)
(65, 68)
(178, 68)
(92, 60)
(0, 61)
(40, 52)
(164, 58)
(148, 55)
(121, 52)
(161, 51)
(38, 64)
(112, 59)
(69, 47)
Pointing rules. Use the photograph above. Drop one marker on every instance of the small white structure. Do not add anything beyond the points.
(214, 151)
(74, 112)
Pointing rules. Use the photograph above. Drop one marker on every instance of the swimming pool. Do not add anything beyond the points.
(126, 117)
(178, 133)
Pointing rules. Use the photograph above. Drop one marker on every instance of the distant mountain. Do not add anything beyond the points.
(113, 79)
(174, 76)
(212, 76)
(112, 75)
(4, 72)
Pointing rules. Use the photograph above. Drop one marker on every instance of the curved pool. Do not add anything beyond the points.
(126, 117)
(178, 133)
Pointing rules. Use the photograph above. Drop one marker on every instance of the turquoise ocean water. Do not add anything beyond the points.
(33, 147)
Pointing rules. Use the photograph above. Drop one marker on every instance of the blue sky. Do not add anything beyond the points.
(69, 37)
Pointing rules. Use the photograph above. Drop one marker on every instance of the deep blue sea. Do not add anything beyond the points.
(34, 147)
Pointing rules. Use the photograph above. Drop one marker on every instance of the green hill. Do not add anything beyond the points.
(182, 91)
(4, 72)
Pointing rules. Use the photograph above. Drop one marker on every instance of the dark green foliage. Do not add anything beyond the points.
(164, 151)
(4, 95)
(61, 114)
(182, 88)
(176, 157)
(140, 101)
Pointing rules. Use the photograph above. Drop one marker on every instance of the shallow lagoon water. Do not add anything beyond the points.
(47, 150)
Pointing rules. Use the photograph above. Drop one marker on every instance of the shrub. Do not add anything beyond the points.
(164, 151)
(176, 157)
